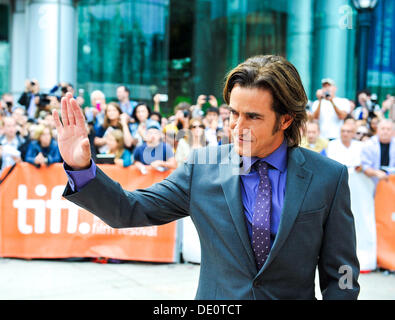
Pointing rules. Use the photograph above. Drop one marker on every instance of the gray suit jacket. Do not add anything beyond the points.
(316, 227)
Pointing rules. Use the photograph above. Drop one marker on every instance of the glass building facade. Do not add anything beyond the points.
(4, 48)
(186, 47)
(123, 42)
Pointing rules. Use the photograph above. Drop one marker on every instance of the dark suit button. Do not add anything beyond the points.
(256, 284)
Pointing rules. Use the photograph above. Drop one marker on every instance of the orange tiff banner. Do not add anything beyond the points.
(37, 222)
(385, 223)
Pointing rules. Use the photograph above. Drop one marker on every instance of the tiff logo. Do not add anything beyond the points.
(39, 206)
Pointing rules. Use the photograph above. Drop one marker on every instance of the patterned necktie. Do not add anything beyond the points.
(261, 218)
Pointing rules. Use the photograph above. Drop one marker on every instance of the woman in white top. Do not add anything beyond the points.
(193, 138)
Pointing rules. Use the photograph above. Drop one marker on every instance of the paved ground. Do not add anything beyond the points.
(54, 279)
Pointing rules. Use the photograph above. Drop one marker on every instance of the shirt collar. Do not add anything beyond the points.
(277, 159)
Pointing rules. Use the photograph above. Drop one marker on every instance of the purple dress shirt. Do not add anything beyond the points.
(80, 178)
(277, 161)
(249, 184)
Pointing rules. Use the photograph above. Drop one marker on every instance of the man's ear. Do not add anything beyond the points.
(286, 121)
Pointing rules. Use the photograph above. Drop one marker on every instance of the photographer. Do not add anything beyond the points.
(367, 106)
(64, 88)
(30, 98)
(6, 105)
(330, 110)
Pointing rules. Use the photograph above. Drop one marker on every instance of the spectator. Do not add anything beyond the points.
(211, 123)
(44, 149)
(329, 109)
(379, 152)
(224, 134)
(127, 105)
(389, 106)
(224, 113)
(21, 121)
(95, 113)
(362, 133)
(194, 138)
(64, 88)
(138, 128)
(30, 98)
(10, 144)
(115, 146)
(373, 122)
(6, 105)
(346, 150)
(197, 109)
(180, 119)
(312, 140)
(156, 116)
(182, 115)
(154, 152)
(367, 106)
(113, 119)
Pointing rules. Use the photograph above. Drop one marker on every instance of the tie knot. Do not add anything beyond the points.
(261, 167)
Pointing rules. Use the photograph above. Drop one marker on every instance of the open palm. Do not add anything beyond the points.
(73, 139)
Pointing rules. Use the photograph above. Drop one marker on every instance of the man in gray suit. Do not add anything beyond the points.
(268, 212)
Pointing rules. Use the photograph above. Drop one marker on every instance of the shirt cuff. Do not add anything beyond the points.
(80, 178)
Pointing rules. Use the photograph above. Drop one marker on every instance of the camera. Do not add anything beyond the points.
(327, 94)
(186, 113)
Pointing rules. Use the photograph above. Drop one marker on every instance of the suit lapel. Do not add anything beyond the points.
(230, 182)
(298, 181)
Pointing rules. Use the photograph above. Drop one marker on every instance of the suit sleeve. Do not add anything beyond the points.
(338, 265)
(161, 203)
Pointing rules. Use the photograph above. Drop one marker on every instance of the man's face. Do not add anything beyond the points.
(211, 116)
(121, 93)
(153, 137)
(9, 127)
(45, 138)
(327, 87)
(385, 131)
(224, 113)
(347, 133)
(312, 133)
(253, 123)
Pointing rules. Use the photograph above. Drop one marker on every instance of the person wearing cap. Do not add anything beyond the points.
(330, 110)
(154, 152)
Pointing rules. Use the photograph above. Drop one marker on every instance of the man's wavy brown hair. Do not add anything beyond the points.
(278, 75)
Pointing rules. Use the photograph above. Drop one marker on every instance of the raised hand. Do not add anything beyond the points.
(73, 139)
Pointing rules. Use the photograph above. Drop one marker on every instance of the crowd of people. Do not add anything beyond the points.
(359, 134)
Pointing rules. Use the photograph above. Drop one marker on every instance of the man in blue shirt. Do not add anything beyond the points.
(154, 151)
(268, 212)
(125, 103)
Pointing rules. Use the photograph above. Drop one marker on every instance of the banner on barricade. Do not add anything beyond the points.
(385, 223)
(36, 222)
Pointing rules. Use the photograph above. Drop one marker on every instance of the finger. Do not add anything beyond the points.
(70, 112)
(64, 112)
(69, 95)
(56, 119)
(78, 114)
